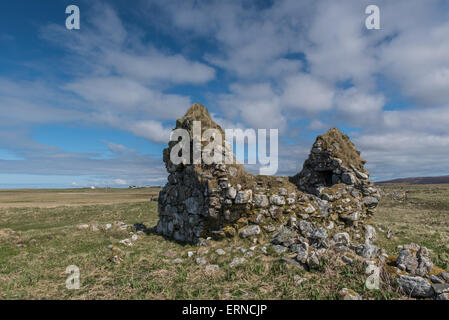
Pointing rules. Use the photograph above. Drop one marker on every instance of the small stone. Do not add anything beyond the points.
(279, 249)
(82, 226)
(303, 253)
(236, 262)
(440, 288)
(314, 259)
(348, 294)
(292, 221)
(282, 191)
(306, 228)
(249, 231)
(231, 193)
(274, 211)
(264, 250)
(389, 234)
(134, 237)
(202, 251)
(342, 238)
(347, 260)
(298, 280)
(408, 259)
(443, 296)
(348, 178)
(116, 259)
(293, 262)
(425, 264)
(309, 209)
(370, 202)
(319, 234)
(201, 261)
(367, 251)
(436, 279)
(415, 287)
(369, 263)
(126, 242)
(243, 196)
(444, 275)
(361, 175)
(402, 267)
(370, 234)
(351, 217)
(121, 225)
(220, 252)
(261, 200)
(212, 268)
(190, 254)
(269, 228)
(286, 236)
(277, 200)
(177, 260)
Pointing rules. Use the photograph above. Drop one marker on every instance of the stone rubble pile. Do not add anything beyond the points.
(417, 275)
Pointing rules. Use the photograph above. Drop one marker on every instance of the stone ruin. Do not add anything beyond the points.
(327, 207)
(217, 200)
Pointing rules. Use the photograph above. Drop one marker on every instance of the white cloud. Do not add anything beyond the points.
(338, 48)
(151, 130)
(359, 108)
(109, 94)
(317, 125)
(256, 105)
(154, 67)
(306, 93)
(119, 148)
(417, 57)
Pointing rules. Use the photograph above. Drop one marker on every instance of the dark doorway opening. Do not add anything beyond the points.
(327, 177)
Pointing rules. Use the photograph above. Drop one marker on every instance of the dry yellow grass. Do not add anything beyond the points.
(46, 240)
(22, 198)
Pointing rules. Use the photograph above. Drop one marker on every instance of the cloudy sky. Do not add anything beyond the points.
(95, 106)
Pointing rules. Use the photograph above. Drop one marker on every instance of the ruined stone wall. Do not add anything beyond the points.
(335, 172)
(333, 190)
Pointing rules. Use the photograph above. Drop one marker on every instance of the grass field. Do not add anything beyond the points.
(39, 238)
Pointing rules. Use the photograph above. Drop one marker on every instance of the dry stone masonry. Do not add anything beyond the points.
(326, 209)
(333, 190)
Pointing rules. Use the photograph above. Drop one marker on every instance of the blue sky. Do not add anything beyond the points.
(95, 106)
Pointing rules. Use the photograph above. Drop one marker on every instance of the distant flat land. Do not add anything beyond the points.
(51, 198)
(417, 180)
(40, 237)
